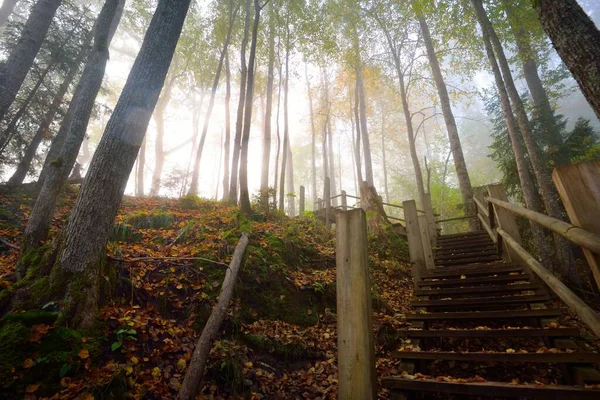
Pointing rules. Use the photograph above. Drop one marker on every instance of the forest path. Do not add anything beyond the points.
(486, 327)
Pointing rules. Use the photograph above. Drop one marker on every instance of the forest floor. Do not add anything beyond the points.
(278, 341)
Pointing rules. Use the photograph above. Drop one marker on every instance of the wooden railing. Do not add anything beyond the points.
(497, 217)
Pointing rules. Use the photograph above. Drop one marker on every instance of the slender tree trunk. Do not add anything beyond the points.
(286, 133)
(227, 144)
(80, 108)
(43, 130)
(364, 130)
(84, 239)
(139, 190)
(357, 141)
(577, 41)
(266, 151)
(291, 200)
(527, 182)
(353, 150)
(211, 103)
(6, 10)
(239, 123)
(329, 133)
(278, 134)
(245, 205)
(159, 149)
(385, 174)
(313, 144)
(455, 146)
(540, 167)
(20, 60)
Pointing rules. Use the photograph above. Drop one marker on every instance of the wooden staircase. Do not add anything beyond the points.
(473, 300)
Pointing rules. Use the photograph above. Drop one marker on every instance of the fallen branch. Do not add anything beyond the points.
(127, 260)
(8, 244)
(194, 373)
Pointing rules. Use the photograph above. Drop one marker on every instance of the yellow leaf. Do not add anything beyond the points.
(249, 364)
(83, 354)
(181, 364)
(31, 388)
(510, 350)
(28, 363)
(128, 370)
(134, 360)
(156, 372)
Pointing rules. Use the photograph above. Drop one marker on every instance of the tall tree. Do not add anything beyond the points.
(266, 150)
(239, 122)
(460, 165)
(313, 144)
(6, 10)
(231, 22)
(16, 67)
(227, 143)
(362, 107)
(80, 109)
(286, 131)
(577, 41)
(78, 265)
(141, 166)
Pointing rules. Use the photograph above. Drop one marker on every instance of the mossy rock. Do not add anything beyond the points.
(31, 318)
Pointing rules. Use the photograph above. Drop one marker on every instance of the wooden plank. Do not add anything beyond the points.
(429, 214)
(475, 281)
(462, 234)
(585, 312)
(492, 389)
(425, 242)
(470, 267)
(566, 358)
(473, 272)
(492, 333)
(469, 260)
(476, 289)
(460, 241)
(413, 235)
(579, 189)
(478, 249)
(504, 218)
(356, 349)
(549, 312)
(480, 301)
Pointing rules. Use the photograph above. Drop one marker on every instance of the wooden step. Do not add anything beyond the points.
(460, 241)
(497, 333)
(565, 358)
(504, 314)
(500, 269)
(462, 234)
(474, 281)
(491, 389)
(481, 301)
(471, 260)
(476, 289)
(476, 250)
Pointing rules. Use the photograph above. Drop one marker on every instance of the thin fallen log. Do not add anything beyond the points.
(194, 373)
(129, 260)
(8, 244)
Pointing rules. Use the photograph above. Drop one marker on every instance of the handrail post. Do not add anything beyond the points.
(356, 349)
(428, 208)
(302, 199)
(426, 242)
(327, 199)
(579, 189)
(413, 234)
(505, 219)
(344, 201)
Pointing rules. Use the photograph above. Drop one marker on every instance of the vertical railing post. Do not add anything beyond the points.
(327, 199)
(428, 208)
(426, 242)
(344, 201)
(302, 194)
(504, 219)
(579, 188)
(319, 204)
(356, 350)
(413, 234)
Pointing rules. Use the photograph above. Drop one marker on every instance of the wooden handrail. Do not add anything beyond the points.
(586, 313)
(481, 207)
(574, 233)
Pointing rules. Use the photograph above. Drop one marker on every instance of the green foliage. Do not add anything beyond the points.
(190, 202)
(14, 338)
(145, 220)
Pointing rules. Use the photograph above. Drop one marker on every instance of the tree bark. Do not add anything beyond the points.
(385, 174)
(455, 146)
(577, 41)
(329, 134)
(80, 108)
(90, 223)
(6, 10)
(227, 144)
(286, 133)
(278, 132)
(540, 167)
(266, 151)
(313, 144)
(364, 130)
(141, 160)
(245, 205)
(195, 372)
(291, 200)
(359, 174)
(44, 128)
(239, 123)
(211, 102)
(527, 182)
(20, 60)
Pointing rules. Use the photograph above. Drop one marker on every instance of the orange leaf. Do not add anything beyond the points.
(28, 363)
(31, 388)
(83, 354)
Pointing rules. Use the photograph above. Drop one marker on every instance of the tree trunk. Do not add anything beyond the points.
(542, 109)
(364, 130)
(141, 159)
(266, 151)
(20, 60)
(577, 41)
(80, 108)
(159, 150)
(44, 128)
(278, 134)
(385, 174)
(239, 122)
(540, 167)
(329, 132)
(6, 10)
(527, 183)
(357, 141)
(291, 200)
(286, 133)
(313, 144)
(455, 146)
(353, 149)
(90, 223)
(244, 191)
(195, 372)
(211, 103)
(227, 144)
